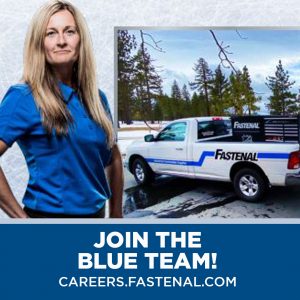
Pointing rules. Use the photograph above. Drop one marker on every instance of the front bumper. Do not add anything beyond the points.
(292, 179)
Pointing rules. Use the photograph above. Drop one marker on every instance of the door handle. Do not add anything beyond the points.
(179, 149)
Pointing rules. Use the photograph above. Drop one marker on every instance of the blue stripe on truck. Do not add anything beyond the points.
(199, 163)
(273, 155)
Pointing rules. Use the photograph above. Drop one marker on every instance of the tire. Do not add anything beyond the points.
(142, 172)
(250, 185)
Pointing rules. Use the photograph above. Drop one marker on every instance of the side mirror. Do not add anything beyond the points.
(149, 138)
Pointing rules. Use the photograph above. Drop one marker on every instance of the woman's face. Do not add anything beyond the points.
(62, 40)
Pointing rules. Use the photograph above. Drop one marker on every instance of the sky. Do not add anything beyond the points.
(258, 49)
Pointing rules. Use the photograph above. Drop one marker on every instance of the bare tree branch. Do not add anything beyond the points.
(223, 53)
(243, 38)
(156, 46)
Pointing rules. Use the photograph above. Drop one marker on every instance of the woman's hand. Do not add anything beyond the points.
(116, 181)
(7, 200)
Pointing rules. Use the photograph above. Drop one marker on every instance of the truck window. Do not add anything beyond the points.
(213, 128)
(173, 132)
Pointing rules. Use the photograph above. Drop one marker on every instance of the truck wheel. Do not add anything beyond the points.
(250, 185)
(142, 172)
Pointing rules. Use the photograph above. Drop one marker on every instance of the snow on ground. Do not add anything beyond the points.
(240, 209)
(195, 205)
(128, 134)
(125, 138)
(138, 124)
(134, 135)
(184, 205)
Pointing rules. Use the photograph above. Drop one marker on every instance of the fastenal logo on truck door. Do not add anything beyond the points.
(246, 125)
(222, 155)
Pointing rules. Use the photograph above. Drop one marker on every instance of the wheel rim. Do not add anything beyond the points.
(139, 172)
(248, 185)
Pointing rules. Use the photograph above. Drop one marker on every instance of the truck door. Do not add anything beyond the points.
(204, 163)
(169, 151)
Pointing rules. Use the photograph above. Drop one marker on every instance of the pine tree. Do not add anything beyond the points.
(147, 83)
(126, 43)
(157, 112)
(198, 105)
(239, 96)
(202, 81)
(218, 88)
(282, 100)
(234, 95)
(165, 103)
(294, 108)
(177, 100)
(250, 98)
(175, 91)
(194, 105)
(185, 93)
(186, 98)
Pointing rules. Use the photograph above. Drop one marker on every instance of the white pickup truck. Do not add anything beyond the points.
(253, 153)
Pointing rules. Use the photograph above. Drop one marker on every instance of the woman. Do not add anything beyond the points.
(62, 123)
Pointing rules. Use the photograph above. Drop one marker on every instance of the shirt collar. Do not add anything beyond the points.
(66, 91)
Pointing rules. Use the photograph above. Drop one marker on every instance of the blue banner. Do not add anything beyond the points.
(90, 261)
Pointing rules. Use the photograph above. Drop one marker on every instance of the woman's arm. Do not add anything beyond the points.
(7, 200)
(116, 181)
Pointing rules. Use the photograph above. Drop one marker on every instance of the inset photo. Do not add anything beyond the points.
(208, 122)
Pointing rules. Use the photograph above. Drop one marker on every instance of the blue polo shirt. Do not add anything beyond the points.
(66, 173)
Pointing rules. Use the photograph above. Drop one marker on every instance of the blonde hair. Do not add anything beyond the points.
(40, 77)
